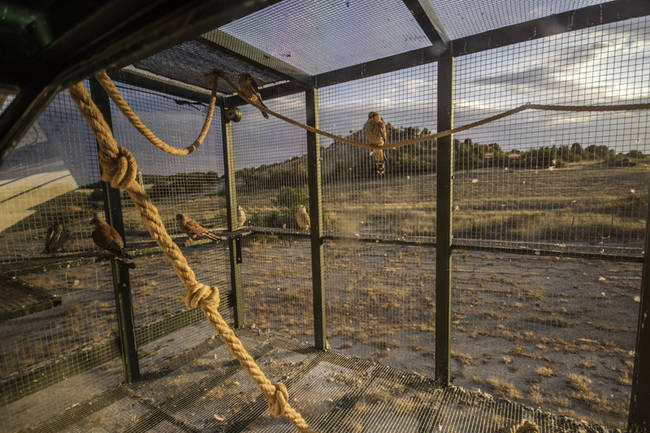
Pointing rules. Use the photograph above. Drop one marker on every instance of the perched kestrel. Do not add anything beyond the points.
(193, 229)
(107, 238)
(248, 87)
(376, 132)
(302, 218)
(55, 238)
(241, 216)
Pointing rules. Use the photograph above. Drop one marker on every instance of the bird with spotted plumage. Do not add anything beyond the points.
(241, 216)
(249, 88)
(302, 218)
(376, 133)
(193, 229)
(56, 236)
(108, 239)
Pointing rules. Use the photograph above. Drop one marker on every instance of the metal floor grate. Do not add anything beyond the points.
(201, 388)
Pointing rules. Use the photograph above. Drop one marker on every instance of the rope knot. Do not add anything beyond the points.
(121, 170)
(198, 293)
(279, 399)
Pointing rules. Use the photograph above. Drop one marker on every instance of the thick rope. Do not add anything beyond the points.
(106, 82)
(576, 108)
(119, 168)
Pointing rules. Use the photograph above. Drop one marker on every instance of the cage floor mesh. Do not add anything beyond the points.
(192, 384)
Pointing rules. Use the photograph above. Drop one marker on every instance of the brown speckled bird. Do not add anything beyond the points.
(525, 427)
(241, 216)
(107, 238)
(248, 87)
(193, 229)
(55, 238)
(376, 132)
(302, 218)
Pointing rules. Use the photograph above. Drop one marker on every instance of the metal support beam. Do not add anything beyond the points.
(121, 281)
(316, 215)
(639, 417)
(234, 244)
(444, 179)
(428, 19)
(222, 41)
(271, 92)
(157, 83)
(590, 16)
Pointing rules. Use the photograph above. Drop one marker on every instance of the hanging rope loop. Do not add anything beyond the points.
(113, 92)
(121, 170)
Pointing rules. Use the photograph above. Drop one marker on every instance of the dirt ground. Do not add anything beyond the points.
(552, 333)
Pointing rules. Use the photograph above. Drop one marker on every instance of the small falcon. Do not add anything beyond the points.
(193, 229)
(248, 87)
(55, 238)
(376, 132)
(241, 216)
(302, 218)
(107, 238)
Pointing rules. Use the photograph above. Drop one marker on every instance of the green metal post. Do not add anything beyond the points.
(316, 216)
(639, 417)
(121, 281)
(234, 244)
(444, 176)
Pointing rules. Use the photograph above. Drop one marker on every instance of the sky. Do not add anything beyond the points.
(603, 65)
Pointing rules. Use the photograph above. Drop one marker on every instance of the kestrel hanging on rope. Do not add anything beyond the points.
(55, 238)
(248, 87)
(107, 238)
(302, 218)
(376, 132)
(241, 216)
(193, 229)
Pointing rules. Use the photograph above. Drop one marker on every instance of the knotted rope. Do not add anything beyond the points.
(106, 82)
(528, 106)
(119, 168)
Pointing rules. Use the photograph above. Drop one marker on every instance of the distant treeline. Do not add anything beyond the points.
(471, 155)
(344, 162)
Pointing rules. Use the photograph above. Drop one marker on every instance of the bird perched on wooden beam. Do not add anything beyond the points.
(241, 216)
(107, 238)
(302, 218)
(55, 238)
(193, 229)
(248, 87)
(376, 132)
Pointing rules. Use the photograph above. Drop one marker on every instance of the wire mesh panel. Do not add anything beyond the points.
(271, 179)
(565, 181)
(466, 18)
(357, 201)
(381, 303)
(313, 42)
(559, 336)
(552, 331)
(380, 295)
(58, 316)
(192, 185)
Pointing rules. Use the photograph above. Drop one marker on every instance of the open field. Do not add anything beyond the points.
(559, 335)
(551, 332)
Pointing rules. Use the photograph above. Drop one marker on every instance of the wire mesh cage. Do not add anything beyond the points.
(331, 258)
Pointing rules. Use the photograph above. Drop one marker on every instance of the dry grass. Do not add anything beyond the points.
(499, 387)
(462, 358)
(545, 371)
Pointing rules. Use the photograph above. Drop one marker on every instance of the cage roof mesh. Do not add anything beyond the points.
(462, 18)
(320, 36)
(316, 36)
